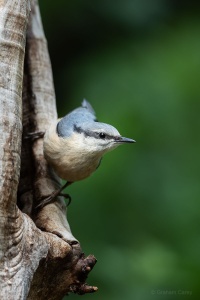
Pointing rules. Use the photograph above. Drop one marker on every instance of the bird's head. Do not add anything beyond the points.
(98, 137)
(85, 135)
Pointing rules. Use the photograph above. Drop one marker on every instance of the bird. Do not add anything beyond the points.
(75, 144)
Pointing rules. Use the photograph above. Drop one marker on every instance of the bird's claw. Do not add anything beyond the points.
(67, 196)
(34, 135)
(51, 199)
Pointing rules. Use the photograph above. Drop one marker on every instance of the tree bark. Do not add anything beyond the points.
(39, 256)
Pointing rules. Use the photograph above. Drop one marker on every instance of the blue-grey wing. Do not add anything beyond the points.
(79, 116)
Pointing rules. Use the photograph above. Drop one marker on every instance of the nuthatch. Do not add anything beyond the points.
(75, 144)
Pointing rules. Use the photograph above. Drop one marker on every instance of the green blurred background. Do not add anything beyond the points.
(138, 63)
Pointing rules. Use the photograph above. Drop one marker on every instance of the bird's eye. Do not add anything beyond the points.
(102, 135)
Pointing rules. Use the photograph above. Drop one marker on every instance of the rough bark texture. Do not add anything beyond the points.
(39, 256)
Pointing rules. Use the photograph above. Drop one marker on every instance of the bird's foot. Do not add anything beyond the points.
(34, 135)
(51, 198)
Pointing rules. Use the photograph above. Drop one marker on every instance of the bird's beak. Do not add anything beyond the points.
(125, 140)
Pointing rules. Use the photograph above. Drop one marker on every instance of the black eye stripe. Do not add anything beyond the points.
(95, 134)
(78, 129)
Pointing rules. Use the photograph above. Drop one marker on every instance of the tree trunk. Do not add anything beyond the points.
(39, 256)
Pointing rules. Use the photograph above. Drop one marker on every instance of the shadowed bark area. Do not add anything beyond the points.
(39, 256)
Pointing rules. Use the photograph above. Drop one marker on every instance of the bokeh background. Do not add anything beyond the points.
(138, 63)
